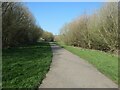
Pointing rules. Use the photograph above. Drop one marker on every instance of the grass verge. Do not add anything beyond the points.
(104, 62)
(26, 66)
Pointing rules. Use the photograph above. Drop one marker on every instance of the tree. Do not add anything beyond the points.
(47, 36)
(18, 24)
(97, 31)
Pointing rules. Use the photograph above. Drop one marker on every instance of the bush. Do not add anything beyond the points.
(97, 31)
(18, 25)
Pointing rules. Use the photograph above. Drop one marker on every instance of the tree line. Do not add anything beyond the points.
(97, 31)
(19, 25)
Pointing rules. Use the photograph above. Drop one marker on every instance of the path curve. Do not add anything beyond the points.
(69, 71)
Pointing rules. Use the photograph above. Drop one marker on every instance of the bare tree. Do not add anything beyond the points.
(18, 25)
(96, 31)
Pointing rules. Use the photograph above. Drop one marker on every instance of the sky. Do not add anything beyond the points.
(51, 16)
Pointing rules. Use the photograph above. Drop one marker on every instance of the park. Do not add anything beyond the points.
(60, 45)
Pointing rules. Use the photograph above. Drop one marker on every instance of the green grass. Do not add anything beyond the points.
(26, 66)
(104, 62)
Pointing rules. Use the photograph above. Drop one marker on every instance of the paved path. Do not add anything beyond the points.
(69, 71)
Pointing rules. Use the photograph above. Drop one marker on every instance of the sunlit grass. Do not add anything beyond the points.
(105, 62)
(26, 66)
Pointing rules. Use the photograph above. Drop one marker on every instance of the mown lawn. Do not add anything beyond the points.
(104, 62)
(26, 66)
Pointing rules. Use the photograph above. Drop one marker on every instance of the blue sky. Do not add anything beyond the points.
(51, 16)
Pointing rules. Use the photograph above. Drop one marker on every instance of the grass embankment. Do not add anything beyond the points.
(26, 67)
(104, 62)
